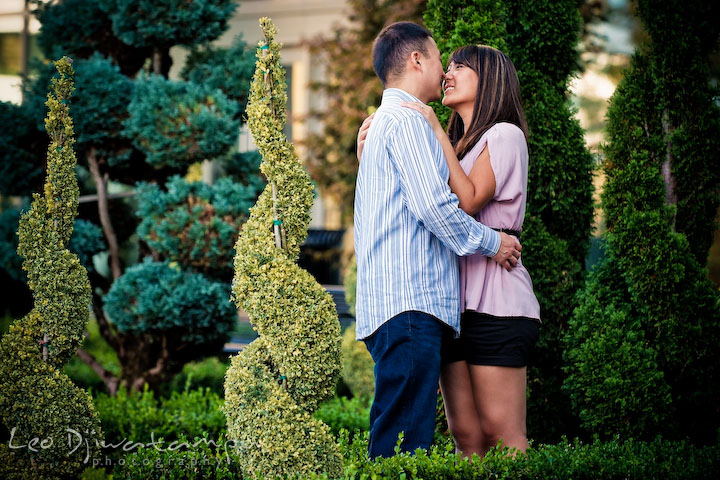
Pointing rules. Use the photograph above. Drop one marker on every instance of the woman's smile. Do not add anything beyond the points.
(460, 86)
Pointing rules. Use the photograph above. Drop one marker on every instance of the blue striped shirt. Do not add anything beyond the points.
(408, 227)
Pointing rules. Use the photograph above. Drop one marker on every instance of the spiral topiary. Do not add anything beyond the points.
(40, 407)
(274, 385)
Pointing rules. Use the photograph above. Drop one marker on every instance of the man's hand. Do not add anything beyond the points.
(362, 134)
(509, 252)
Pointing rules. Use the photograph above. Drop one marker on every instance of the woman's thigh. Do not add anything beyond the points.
(500, 398)
(456, 387)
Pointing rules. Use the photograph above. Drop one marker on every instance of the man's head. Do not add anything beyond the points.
(405, 56)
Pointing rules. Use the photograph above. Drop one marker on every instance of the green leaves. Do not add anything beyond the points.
(154, 297)
(540, 37)
(275, 384)
(164, 23)
(195, 224)
(36, 399)
(643, 343)
(179, 123)
(229, 70)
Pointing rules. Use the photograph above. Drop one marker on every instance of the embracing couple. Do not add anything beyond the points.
(437, 221)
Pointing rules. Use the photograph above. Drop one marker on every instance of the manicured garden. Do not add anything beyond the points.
(136, 268)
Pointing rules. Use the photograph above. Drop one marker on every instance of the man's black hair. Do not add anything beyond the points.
(394, 44)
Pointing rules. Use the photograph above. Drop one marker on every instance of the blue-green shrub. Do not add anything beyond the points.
(21, 159)
(178, 123)
(169, 22)
(229, 70)
(243, 167)
(101, 107)
(193, 223)
(154, 297)
(87, 240)
(9, 259)
(79, 28)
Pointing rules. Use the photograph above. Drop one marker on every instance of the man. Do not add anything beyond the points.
(408, 233)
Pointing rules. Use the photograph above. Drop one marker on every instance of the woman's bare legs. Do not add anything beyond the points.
(500, 401)
(484, 404)
(462, 417)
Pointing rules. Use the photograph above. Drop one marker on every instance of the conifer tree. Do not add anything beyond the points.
(37, 400)
(642, 347)
(540, 38)
(275, 384)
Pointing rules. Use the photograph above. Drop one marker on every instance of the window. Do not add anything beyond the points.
(11, 52)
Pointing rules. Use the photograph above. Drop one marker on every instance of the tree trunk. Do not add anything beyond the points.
(106, 329)
(161, 61)
(111, 381)
(668, 178)
(157, 61)
(101, 185)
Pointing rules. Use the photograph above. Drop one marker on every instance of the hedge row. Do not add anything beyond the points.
(613, 459)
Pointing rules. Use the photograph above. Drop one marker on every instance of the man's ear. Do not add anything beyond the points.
(415, 57)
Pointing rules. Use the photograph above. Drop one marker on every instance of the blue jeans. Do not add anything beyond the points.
(406, 351)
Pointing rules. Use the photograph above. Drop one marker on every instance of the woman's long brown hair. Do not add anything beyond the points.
(497, 99)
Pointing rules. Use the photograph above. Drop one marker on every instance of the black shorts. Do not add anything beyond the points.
(489, 340)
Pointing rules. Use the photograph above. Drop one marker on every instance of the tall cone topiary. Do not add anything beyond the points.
(641, 350)
(38, 401)
(273, 386)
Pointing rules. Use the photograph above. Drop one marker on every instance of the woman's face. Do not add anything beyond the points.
(460, 86)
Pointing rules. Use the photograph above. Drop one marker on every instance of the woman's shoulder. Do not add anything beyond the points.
(502, 134)
(507, 130)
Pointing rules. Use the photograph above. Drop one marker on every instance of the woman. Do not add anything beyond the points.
(484, 373)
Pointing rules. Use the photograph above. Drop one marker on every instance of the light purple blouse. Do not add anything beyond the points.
(485, 286)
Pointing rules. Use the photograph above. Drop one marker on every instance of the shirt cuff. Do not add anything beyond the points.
(493, 243)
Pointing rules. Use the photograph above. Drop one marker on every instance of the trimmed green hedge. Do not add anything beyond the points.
(598, 460)
(135, 416)
(196, 415)
(351, 414)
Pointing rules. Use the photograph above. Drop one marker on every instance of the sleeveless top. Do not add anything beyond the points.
(485, 286)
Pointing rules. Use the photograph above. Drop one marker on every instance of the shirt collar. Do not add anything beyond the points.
(396, 94)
